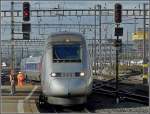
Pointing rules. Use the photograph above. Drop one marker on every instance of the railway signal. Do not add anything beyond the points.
(26, 27)
(26, 36)
(26, 11)
(118, 31)
(118, 13)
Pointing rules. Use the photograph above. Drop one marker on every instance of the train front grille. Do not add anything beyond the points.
(76, 74)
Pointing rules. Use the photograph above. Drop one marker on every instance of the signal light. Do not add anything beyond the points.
(118, 13)
(26, 11)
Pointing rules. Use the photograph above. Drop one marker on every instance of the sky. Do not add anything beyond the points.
(72, 20)
(75, 4)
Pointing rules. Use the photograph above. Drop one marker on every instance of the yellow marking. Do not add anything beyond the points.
(139, 35)
(145, 65)
(145, 76)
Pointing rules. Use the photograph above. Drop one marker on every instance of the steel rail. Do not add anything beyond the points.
(124, 95)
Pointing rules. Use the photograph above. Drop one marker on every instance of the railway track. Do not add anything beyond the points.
(48, 108)
(113, 80)
(105, 88)
(124, 95)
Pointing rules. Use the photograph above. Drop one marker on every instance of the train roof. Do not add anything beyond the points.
(61, 37)
(66, 33)
(32, 59)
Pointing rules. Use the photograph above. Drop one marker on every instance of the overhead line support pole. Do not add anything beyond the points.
(95, 43)
(100, 23)
(145, 60)
(117, 61)
(12, 36)
(0, 53)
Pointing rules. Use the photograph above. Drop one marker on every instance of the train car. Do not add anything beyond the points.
(32, 68)
(66, 77)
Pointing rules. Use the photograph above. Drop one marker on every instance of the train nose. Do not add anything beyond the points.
(68, 87)
(77, 87)
(59, 87)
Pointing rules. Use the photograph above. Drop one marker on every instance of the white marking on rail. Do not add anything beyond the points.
(86, 110)
(20, 106)
(30, 94)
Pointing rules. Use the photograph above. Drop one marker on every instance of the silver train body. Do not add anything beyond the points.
(31, 67)
(66, 76)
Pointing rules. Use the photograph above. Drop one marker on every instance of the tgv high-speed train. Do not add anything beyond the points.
(66, 76)
(31, 67)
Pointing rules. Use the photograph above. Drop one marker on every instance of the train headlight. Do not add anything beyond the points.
(53, 74)
(82, 73)
(67, 40)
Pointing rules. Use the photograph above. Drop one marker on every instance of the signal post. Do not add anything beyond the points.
(12, 66)
(26, 28)
(118, 42)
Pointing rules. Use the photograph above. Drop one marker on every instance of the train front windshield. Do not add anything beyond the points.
(66, 53)
(31, 66)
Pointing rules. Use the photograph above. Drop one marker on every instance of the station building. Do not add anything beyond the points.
(138, 38)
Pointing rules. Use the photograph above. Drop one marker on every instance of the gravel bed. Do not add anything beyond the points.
(102, 103)
(126, 107)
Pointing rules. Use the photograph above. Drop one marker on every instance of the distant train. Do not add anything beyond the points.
(31, 67)
(66, 76)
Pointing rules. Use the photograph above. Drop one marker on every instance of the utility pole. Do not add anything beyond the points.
(100, 13)
(117, 48)
(0, 51)
(95, 42)
(149, 49)
(105, 36)
(127, 51)
(145, 60)
(12, 37)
